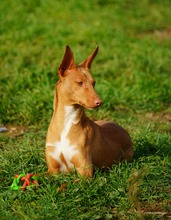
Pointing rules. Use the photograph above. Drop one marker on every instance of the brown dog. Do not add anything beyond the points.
(73, 140)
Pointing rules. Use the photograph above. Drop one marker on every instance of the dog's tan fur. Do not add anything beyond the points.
(73, 140)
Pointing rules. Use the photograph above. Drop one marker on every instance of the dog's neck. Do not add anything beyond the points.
(66, 115)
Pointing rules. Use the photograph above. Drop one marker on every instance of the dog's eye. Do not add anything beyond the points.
(80, 83)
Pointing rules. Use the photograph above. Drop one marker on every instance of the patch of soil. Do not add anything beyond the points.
(164, 34)
(160, 117)
(12, 130)
(160, 34)
(161, 209)
(156, 206)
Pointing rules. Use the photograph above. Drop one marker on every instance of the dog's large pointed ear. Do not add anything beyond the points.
(87, 62)
(67, 62)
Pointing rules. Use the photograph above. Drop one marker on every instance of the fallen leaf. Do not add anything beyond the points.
(62, 187)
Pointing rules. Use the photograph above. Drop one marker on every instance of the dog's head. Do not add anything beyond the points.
(76, 84)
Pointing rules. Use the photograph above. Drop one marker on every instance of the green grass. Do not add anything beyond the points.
(132, 71)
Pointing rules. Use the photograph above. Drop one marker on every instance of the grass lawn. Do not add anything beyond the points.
(133, 75)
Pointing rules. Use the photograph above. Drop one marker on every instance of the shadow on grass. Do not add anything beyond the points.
(145, 147)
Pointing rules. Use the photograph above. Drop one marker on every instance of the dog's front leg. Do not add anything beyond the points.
(53, 164)
(86, 171)
(83, 165)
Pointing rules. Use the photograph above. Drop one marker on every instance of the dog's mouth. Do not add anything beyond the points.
(88, 107)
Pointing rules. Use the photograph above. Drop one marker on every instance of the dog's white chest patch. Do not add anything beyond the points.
(63, 146)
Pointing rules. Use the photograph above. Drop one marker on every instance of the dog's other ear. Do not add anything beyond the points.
(87, 62)
(67, 62)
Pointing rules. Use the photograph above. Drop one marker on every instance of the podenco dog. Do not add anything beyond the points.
(73, 140)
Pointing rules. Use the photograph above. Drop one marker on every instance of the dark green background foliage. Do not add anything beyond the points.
(133, 75)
